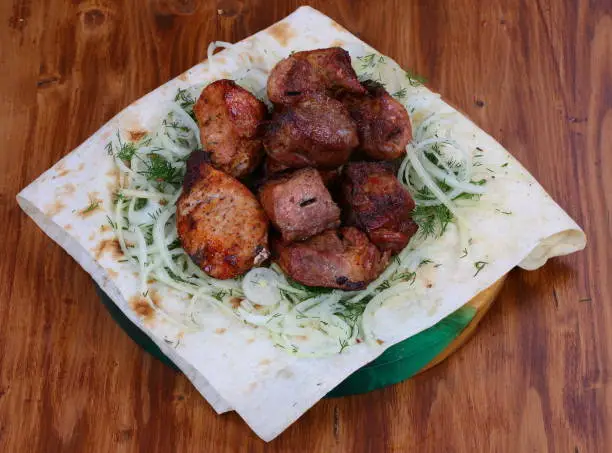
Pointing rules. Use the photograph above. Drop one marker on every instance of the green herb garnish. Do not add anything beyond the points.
(414, 79)
(186, 101)
(432, 220)
(160, 170)
(401, 94)
(479, 265)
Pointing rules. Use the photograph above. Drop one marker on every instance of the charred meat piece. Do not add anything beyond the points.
(343, 259)
(299, 205)
(229, 117)
(219, 221)
(383, 123)
(376, 202)
(317, 131)
(313, 71)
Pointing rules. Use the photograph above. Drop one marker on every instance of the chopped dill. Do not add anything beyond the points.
(126, 150)
(93, 205)
(176, 278)
(160, 170)
(479, 265)
(111, 223)
(504, 165)
(219, 295)
(424, 262)
(414, 79)
(118, 196)
(408, 277)
(175, 125)
(147, 232)
(186, 101)
(400, 94)
(140, 203)
(368, 61)
(384, 285)
(155, 214)
(504, 212)
(174, 244)
(343, 345)
(311, 290)
(432, 220)
(465, 253)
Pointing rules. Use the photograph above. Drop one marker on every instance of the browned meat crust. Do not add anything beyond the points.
(229, 117)
(377, 203)
(219, 221)
(383, 123)
(299, 205)
(317, 131)
(314, 71)
(343, 259)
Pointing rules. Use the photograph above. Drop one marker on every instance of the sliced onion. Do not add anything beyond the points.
(260, 286)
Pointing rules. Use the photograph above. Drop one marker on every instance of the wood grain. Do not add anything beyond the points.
(536, 377)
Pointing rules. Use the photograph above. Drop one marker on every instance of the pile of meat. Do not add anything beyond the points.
(321, 170)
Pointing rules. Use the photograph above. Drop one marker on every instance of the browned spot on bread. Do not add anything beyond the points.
(379, 341)
(104, 228)
(115, 176)
(155, 297)
(54, 208)
(108, 246)
(113, 173)
(95, 205)
(136, 135)
(81, 166)
(250, 340)
(92, 236)
(67, 227)
(282, 32)
(265, 362)
(184, 76)
(61, 170)
(135, 274)
(221, 330)
(142, 308)
(67, 189)
(220, 60)
(112, 274)
(235, 302)
(337, 43)
(337, 26)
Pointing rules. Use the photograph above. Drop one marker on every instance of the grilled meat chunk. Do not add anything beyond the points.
(299, 205)
(317, 131)
(229, 117)
(383, 123)
(343, 259)
(313, 71)
(219, 221)
(376, 202)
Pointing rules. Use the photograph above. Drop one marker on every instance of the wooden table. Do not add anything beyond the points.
(536, 377)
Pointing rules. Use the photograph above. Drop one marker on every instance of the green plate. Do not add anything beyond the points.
(396, 364)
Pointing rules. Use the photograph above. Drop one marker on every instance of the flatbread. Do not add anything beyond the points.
(235, 366)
